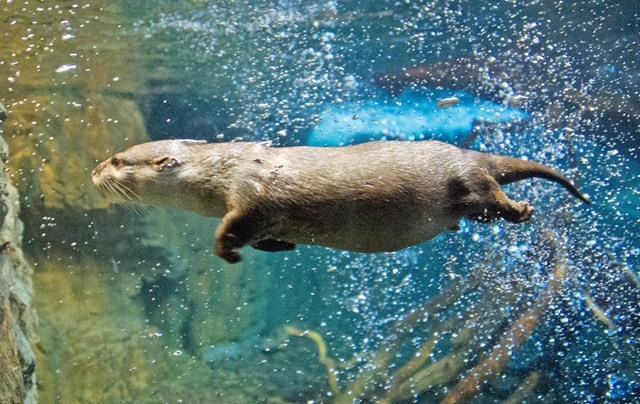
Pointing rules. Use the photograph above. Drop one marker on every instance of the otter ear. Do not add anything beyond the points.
(160, 163)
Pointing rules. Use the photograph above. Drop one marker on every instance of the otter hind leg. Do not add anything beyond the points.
(517, 212)
(496, 204)
(514, 212)
(273, 245)
(236, 230)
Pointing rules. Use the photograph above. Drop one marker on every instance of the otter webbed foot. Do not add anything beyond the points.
(273, 245)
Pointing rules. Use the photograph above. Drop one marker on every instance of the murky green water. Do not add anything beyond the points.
(133, 304)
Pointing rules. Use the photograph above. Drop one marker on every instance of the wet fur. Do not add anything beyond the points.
(372, 197)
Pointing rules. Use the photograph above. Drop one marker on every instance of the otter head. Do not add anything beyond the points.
(147, 173)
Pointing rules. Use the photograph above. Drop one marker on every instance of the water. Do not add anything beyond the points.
(134, 306)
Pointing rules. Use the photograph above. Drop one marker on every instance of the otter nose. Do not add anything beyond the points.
(99, 168)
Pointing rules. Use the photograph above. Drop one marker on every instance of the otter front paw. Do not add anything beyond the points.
(230, 256)
(225, 245)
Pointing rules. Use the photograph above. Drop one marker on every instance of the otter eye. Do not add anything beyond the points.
(116, 162)
(164, 161)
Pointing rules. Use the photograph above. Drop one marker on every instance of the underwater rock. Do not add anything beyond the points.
(221, 353)
(414, 115)
(219, 302)
(26, 355)
(11, 384)
(17, 316)
(96, 344)
(54, 148)
(72, 106)
(3, 112)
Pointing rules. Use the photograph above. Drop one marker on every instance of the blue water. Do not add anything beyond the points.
(307, 73)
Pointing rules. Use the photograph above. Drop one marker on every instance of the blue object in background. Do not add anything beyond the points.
(412, 116)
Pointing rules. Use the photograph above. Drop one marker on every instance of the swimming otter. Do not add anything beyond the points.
(371, 197)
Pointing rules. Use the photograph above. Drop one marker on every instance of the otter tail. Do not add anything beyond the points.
(506, 170)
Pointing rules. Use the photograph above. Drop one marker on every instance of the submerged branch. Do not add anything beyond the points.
(524, 390)
(483, 322)
(484, 318)
(376, 368)
(520, 330)
(322, 355)
(597, 311)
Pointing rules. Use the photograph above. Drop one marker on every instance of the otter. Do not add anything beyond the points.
(373, 197)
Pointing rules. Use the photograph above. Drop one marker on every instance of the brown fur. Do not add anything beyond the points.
(372, 197)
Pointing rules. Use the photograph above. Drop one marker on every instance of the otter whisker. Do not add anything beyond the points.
(106, 187)
(129, 198)
(138, 209)
(124, 195)
(129, 192)
(122, 190)
(118, 191)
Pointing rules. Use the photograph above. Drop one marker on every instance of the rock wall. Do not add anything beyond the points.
(72, 89)
(54, 166)
(17, 316)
